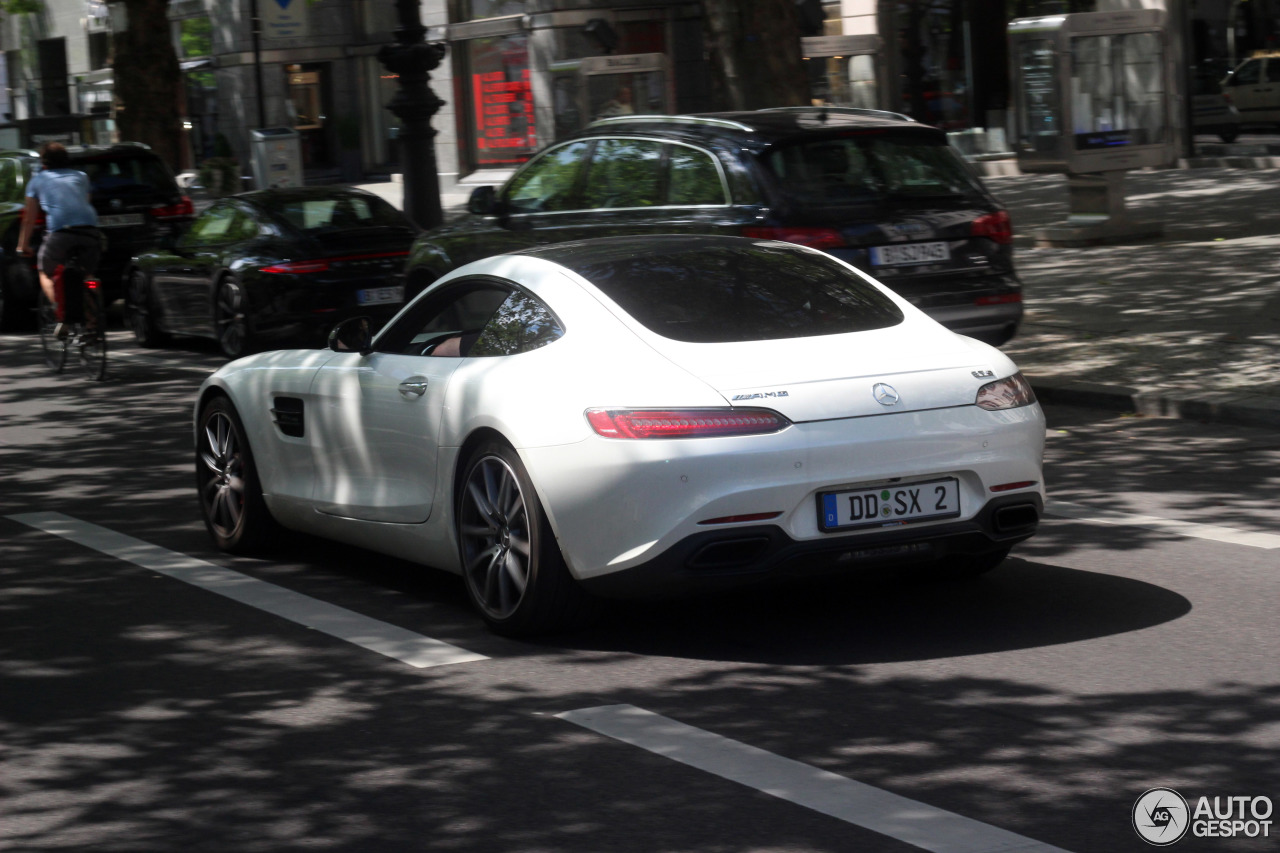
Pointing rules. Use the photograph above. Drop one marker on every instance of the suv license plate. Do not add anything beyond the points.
(887, 506)
(120, 220)
(901, 254)
(380, 295)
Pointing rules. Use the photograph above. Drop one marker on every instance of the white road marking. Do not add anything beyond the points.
(889, 814)
(372, 634)
(1066, 509)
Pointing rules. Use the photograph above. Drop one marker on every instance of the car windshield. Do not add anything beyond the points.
(336, 213)
(867, 168)
(703, 292)
(120, 175)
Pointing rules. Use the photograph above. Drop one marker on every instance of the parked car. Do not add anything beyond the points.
(1212, 109)
(138, 204)
(876, 189)
(279, 265)
(1253, 87)
(632, 416)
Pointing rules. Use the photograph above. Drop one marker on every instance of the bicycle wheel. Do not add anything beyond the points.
(93, 340)
(55, 348)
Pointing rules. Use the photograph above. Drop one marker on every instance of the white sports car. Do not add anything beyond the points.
(632, 416)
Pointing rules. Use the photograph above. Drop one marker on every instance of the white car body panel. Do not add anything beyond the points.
(380, 473)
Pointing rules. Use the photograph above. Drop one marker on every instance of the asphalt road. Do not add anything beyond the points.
(151, 700)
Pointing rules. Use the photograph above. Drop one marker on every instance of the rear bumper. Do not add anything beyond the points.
(759, 554)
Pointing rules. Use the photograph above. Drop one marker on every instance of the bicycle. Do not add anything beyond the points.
(84, 319)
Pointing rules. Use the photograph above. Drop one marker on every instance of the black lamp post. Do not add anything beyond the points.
(413, 60)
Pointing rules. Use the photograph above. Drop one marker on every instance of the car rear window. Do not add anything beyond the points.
(718, 292)
(316, 215)
(869, 168)
(122, 175)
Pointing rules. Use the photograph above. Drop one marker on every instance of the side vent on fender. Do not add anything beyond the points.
(288, 415)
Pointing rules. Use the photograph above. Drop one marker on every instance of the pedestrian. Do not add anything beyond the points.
(71, 222)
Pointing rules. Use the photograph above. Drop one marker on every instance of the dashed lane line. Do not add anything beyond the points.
(372, 634)
(1213, 532)
(898, 817)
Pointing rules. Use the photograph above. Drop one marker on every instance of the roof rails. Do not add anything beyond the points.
(859, 111)
(694, 119)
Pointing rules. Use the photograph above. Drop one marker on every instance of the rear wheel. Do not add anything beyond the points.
(227, 482)
(93, 342)
(55, 348)
(230, 320)
(514, 572)
(140, 311)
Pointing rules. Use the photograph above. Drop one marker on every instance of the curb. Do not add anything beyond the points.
(1233, 409)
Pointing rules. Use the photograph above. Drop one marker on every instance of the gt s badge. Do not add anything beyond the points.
(984, 374)
(760, 395)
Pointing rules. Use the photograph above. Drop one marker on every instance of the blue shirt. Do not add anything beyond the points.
(64, 196)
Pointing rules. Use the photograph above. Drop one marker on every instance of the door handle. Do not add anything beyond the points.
(414, 386)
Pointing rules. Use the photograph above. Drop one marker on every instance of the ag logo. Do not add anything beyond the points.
(1160, 816)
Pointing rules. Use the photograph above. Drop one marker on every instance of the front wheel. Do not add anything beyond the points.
(514, 572)
(227, 482)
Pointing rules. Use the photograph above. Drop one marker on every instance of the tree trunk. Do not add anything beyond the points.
(148, 81)
(754, 47)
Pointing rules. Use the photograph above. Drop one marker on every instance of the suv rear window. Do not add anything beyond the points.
(868, 168)
(707, 293)
(122, 174)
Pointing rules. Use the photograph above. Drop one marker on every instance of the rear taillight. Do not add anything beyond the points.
(684, 423)
(996, 227)
(998, 299)
(183, 208)
(91, 283)
(816, 238)
(297, 267)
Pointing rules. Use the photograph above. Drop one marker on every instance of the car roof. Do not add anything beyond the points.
(764, 126)
(577, 253)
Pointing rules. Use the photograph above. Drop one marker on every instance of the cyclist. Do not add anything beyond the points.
(63, 193)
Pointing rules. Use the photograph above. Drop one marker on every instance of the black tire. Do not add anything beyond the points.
(230, 320)
(93, 344)
(512, 567)
(55, 349)
(140, 314)
(230, 493)
(967, 566)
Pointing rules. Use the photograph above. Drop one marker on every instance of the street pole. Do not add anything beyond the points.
(413, 60)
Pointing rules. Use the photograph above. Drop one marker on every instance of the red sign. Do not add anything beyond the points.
(504, 117)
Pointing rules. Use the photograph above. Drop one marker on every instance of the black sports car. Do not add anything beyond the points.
(279, 266)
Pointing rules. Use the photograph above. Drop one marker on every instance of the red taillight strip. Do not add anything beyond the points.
(736, 519)
(684, 423)
(323, 265)
(1008, 487)
(184, 207)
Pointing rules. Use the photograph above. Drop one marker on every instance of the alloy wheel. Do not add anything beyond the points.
(222, 486)
(229, 318)
(494, 532)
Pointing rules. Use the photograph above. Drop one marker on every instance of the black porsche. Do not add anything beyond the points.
(277, 267)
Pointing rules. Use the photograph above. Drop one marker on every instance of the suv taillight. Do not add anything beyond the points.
(183, 208)
(814, 238)
(994, 226)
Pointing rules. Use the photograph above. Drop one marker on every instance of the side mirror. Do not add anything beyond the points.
(354, 334)
(483, 201)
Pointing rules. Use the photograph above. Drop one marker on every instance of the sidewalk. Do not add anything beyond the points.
(1184, 326)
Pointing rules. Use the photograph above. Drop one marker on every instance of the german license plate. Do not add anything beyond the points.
(901, 254)
(120, 220)
(887, 506)
(380, 295)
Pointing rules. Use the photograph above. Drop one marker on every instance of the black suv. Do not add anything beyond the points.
(137, 199)
(876, 189)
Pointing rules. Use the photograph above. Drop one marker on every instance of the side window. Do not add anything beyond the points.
(213, 228)
(445, 324)
(547, 183)
(692, 177)
(1248, 74)
(8, 180)
(624, 173)
(521, 324)
(1273, 70)
(245, 227)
